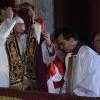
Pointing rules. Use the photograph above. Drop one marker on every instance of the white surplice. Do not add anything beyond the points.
(86, 77)
(55, 78)
(5, 29)
(64, 89)
(4, 68)
(22, 40)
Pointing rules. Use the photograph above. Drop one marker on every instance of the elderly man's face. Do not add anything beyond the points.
(31, 12)
(20, 27)
(9, 12)
(97, 43)
(60, 39)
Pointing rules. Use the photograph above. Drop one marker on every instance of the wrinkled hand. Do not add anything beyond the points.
(47, 38)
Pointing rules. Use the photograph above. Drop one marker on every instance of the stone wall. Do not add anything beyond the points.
(45, 8)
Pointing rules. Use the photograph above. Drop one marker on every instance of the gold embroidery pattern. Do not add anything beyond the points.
(15, 62)
(22, 71)
(31, 59)
(8, 98)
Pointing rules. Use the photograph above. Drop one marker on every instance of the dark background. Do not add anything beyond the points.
(4, 3)
(82, 16)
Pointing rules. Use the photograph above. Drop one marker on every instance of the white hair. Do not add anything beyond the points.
(18, 19)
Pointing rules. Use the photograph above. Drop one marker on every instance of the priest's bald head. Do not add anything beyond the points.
(20, 26)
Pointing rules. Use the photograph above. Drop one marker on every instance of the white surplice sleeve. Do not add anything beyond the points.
(5, 29)
(4, 65)
(48, 53)
(88, 81)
